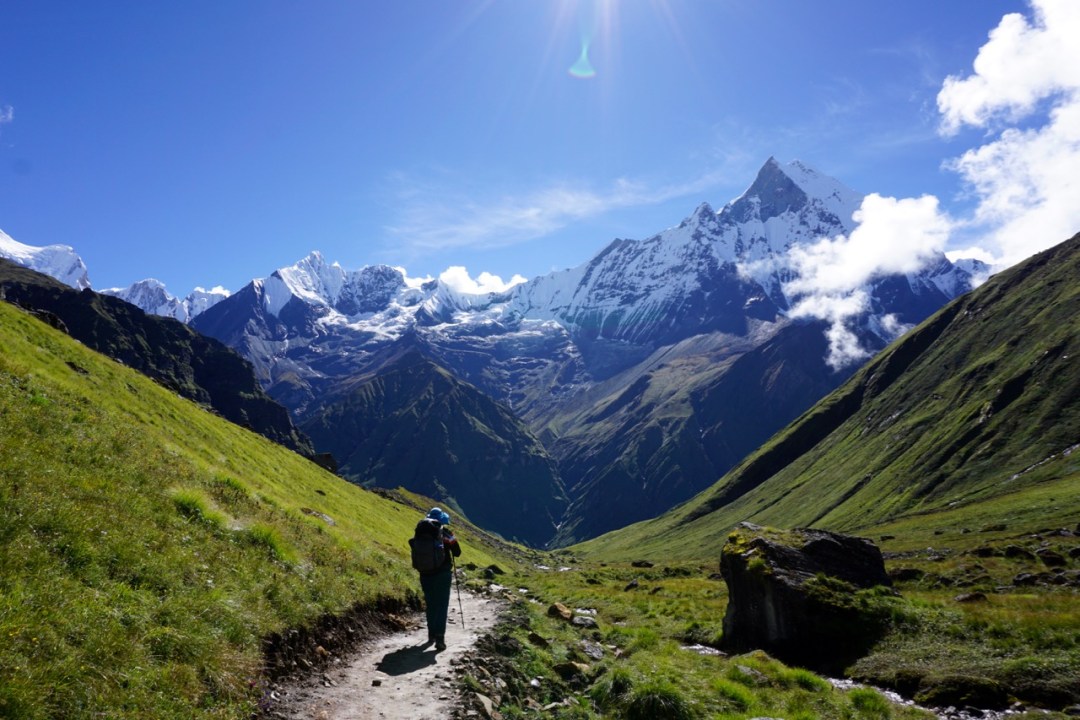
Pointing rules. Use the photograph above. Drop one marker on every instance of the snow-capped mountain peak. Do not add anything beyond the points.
(314, 281)
(200, 300)
(58, 261)
(150, 295)
(782, 189)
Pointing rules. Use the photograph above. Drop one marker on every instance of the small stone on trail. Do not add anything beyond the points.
(567, 670)
(755, 676)
(487, 707)
(376, 683)
(560, 610)
(584, 621)
(970, 597)
(592, 649)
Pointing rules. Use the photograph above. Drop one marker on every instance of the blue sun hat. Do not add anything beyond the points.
(439, 516)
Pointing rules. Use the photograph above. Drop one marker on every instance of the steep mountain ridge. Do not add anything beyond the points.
(413, 424)
(196, 367)
(975, 414)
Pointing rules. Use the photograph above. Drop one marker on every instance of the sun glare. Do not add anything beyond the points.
(595, 18)
(583, 68)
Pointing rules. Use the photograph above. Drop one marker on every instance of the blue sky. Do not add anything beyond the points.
(207, 143)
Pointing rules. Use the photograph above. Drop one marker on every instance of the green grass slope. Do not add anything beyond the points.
(147, 547)
(971, 419)
(195, 366)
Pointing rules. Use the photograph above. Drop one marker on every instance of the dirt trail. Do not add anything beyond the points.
(394, 678)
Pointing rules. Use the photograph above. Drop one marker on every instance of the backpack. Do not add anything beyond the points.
(428, 553)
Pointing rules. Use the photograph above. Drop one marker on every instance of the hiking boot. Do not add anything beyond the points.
(440, 644)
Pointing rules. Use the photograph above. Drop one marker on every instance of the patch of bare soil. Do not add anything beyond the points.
(397, 676)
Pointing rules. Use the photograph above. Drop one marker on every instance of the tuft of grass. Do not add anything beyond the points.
(614, 690)
(738, 697)
(197, 507)
(268, 537)
(870, 703)
(658, 700)
(804, 679)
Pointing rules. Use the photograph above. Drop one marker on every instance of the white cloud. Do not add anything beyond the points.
(1024, 180)
(412, 282)
(892, 236)
(1021, 64)
(7, 114)
(974, 252)
(457, 278)
(837, 309)
(1024, 91)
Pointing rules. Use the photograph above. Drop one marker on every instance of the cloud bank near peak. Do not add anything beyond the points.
(1024, 95)
(457, 278)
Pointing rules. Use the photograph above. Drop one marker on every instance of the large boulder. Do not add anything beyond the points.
(803, 595)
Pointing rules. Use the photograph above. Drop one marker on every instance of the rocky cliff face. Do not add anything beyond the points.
(793, 594)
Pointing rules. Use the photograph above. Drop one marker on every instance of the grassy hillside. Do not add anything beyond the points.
(195, 366)
(147, 547)
(969, 420)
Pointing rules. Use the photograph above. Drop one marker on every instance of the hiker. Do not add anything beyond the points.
(434, 548)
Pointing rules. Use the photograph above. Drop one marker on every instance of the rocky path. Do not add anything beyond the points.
(395, 677)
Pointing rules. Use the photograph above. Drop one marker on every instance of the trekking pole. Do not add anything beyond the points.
(457, 584)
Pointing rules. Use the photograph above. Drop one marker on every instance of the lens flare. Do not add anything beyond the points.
(583, 68)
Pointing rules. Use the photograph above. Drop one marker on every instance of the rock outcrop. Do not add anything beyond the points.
(797, 595)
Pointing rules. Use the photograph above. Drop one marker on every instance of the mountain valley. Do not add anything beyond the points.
(645, 374)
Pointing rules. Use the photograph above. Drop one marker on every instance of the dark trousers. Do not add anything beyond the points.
(437, 599)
